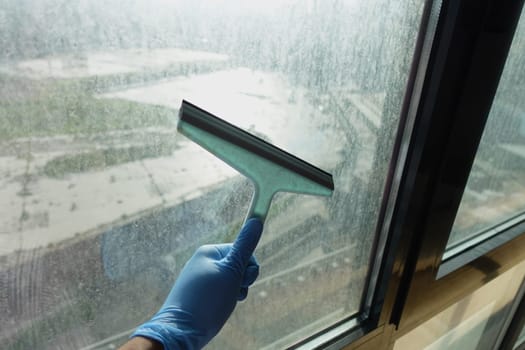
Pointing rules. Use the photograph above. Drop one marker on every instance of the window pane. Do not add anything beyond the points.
(102, 202)
(495, 190)
(473, 323)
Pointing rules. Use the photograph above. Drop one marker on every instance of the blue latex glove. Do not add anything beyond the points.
(206, 292)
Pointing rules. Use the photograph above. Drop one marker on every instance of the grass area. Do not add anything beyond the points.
(100, 159)
(49, 107)
(40, 332)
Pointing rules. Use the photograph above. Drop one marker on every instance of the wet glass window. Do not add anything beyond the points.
(495, 193)
(102, 202)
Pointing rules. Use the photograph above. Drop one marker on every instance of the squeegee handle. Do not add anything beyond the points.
(260, 204)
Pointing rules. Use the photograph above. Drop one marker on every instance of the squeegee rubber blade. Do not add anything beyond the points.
(198, 117)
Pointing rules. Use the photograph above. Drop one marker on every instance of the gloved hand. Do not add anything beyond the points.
(206, 292)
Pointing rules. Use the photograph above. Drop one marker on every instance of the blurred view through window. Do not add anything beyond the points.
(495, 192)
(101, 202)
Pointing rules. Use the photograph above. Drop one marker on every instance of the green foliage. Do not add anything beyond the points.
(102, 158)
(43, 108)
(52, 325)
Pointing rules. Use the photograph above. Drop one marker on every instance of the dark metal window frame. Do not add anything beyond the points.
(469, 53)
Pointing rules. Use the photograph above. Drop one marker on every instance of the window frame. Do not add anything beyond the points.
(472, 45)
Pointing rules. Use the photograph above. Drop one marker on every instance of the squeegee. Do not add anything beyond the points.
(269, 168)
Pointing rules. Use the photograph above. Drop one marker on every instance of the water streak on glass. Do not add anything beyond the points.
(102, 202)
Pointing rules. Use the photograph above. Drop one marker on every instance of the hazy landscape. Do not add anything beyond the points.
(102, 201)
